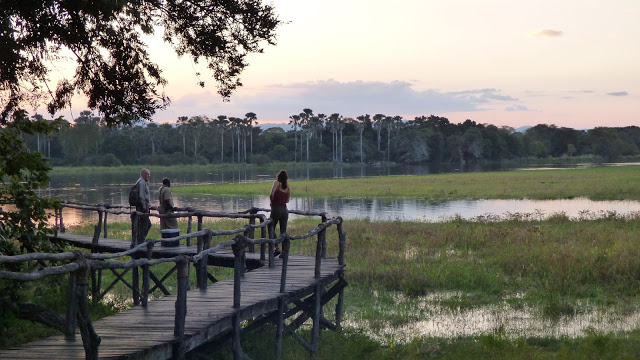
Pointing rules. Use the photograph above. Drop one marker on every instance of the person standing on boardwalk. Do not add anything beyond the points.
(166, 206)
(144, 204)
(279, 197)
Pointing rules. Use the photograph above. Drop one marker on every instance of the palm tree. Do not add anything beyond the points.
(221, 124)
(377, 124)
(306, 125)
(183, 125)
(251, 118)
(196, 127)
(391, 123)
(322, 118)
(333, 127)
(236, 129)
(341, 124)
(359, 124)
(295, 119)
(153, 134)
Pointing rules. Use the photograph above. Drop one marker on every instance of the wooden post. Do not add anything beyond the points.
(263, 234)
(343, 237)
(251, 232)
(339, 306)
(105, 225)
(61, 222)
(90, 340)
(324, 238)
(178, 349)
(95, 282)
(280, 327)
(70, 323)
(237, 337)
(318, 258)
(189, 229)
(272, 235)
(135, 282)
(286, 244)
(202, 274)
(198, 266)
(145, 275)
(317, 311)
(97, 229)
(238, 270)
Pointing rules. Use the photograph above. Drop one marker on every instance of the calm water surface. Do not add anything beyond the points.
(113, 188)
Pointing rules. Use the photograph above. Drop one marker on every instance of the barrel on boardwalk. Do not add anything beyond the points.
(170, 233)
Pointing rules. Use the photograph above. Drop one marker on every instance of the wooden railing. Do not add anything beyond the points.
(80, 265)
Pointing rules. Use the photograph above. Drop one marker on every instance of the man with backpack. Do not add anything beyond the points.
(140, 198)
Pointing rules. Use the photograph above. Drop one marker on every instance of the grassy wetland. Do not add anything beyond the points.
(509, 287)
(417, 289)
(601, 183)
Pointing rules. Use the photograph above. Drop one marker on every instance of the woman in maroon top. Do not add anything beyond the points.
(280, 193)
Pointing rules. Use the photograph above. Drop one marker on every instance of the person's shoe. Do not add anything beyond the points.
(276, 252)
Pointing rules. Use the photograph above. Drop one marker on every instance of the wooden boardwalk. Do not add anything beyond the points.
(149, 332)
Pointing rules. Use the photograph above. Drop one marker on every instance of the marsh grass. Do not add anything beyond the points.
(558, 266)
(602, 183)
(354, 345)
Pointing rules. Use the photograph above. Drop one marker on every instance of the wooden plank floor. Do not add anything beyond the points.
(147, 332)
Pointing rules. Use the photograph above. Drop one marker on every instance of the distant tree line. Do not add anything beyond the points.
(320, 138)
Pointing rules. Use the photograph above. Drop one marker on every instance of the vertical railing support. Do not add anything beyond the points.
(178, 349)
(189, 229)
(146, 273)
(238, 270)
(317, 311)
(286, 244)
(135, 281)
(318, 268)
(202, 274)
(104, 235)
(342, 238)
(280, 327)
(341, 244)
(57, 218)
(238, 273)
(70, 321)
(62, 229)
(322, 236)
(272, 235)
(263, 234)
(90, 340)
(251, 232)
(198, 265)
(237, 337)
(96, 274)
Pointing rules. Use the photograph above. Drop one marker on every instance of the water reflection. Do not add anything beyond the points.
(436, 321)
(401, 209)
(112, 188)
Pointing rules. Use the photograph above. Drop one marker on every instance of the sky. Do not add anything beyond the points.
(570, 63)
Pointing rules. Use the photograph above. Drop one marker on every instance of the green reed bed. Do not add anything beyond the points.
(603, 183)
